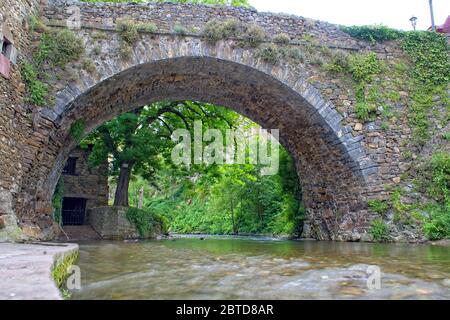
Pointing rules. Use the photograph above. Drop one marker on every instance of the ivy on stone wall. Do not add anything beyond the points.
(55, 49)
(57, 201)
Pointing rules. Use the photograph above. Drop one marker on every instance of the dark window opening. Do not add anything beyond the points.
(73, 211)
(70, 166)
(5, 47)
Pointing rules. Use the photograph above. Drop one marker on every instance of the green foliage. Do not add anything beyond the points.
(77, 129)
(379, 230)
(378, 206)
(148, 27)
(363, 67)
(57, 201)
(232, 199)
(253, 35)
(269, 53)
(429, 54)
(249, 34)
(440, 164)
(291, 53)
(438, 225)
(282, 38)
(374, 33)
(89, 65)
(146, 221)
(59, 269)
(364, 111)
(180, 30)
(128, 31)
(339, 62)
(55, 49)
(37, 90)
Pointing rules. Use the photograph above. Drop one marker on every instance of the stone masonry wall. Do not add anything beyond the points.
(342, 162)
(18, 142)
(88, 183)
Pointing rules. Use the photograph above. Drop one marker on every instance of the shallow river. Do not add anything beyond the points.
(231, 268)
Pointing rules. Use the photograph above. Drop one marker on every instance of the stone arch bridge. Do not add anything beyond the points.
(338, 166)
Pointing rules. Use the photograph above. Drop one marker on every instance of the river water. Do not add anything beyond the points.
(244, 268)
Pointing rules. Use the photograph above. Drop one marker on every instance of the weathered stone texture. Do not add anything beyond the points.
(88, 183)
(341, 161)
(112, 223)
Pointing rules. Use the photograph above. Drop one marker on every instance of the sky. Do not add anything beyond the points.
(392, 13)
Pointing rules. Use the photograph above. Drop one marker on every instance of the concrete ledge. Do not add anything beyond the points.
(26, 270)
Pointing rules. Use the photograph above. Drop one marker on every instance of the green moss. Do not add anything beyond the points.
(60, 272)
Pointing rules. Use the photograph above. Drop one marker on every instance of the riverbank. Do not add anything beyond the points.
(27, 270)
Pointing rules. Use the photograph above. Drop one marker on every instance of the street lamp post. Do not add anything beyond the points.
(413, 21)
(433, 27)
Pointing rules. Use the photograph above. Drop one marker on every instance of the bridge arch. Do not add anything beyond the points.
(331, 163)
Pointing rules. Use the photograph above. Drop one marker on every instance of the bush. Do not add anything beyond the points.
(438, 226)
(440, 164)
(269, 53)
(375, 33)
(364, 67)
(378, 206)
(282, 38)
(37, 90)
(128, 31)
(68, 47)
(146, 221)
(254, 35)
(77, 130)
(379, 230)
(291, 53)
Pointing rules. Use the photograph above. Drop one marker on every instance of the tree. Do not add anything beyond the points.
(138, 142)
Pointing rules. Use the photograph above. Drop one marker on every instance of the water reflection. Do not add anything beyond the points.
(260, 269)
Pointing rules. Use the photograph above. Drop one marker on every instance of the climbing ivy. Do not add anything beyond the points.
(429, 54)
(374, 33)
(77, 129)
(57, 201)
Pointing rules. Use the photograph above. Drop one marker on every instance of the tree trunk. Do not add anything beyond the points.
(121, 196)
(141, 198)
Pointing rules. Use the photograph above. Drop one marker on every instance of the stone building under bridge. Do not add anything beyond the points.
(84, 188)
